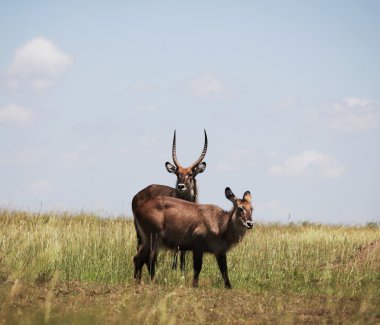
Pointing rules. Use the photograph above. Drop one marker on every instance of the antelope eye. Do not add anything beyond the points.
(190, 175)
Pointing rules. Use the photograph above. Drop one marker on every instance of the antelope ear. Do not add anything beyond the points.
(199, 168)
(247, 197)
(170, 168)
(229, 195)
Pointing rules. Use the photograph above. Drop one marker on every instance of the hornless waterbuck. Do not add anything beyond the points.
(201, 228)
(185, 189)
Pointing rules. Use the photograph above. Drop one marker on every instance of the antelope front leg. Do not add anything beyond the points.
(222, 262)
(197, 263)
(182, 260)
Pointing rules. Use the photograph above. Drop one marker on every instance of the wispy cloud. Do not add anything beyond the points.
(308, 163)
(85, 156)
(29, 156)
(5, 203)
(210, 87)
(150, 142)
(273, 207)
(142, 87)
(350, 114)
(287, 103)
(236, 160)
(147, 108)
(37, 65)
(15, 115)
(41, 187)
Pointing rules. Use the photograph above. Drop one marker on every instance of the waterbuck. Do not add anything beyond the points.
(201, 228)
(185, 189)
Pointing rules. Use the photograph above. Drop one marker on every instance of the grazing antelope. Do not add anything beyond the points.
(201, 228)
(185, 189)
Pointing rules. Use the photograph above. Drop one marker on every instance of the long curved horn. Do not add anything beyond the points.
(174, 155)
(203, 154)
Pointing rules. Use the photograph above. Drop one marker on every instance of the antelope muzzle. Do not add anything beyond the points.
(181, 187)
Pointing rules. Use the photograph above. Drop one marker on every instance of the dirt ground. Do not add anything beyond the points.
(92, 303)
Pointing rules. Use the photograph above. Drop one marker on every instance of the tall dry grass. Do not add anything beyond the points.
(84, 247)
(77, 268)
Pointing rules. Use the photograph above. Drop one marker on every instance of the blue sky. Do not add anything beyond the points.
(289, 93)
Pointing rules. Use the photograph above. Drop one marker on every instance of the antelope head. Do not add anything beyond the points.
(186, 185)
(242, 211)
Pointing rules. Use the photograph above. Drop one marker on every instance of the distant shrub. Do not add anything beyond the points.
(372, 225)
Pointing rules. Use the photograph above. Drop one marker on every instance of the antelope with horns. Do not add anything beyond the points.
(185, 189)
(201, 228)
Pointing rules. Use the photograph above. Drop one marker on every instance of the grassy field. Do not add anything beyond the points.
(64, 268)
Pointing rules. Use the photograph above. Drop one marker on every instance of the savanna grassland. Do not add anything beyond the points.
(65, 268)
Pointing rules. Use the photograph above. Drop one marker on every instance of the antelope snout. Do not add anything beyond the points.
(249, 224)
(181, 187)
